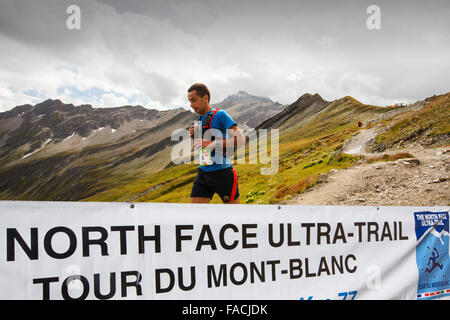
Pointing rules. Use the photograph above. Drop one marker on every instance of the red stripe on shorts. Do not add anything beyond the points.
(233, 191)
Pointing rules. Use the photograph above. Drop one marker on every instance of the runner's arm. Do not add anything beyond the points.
(237, 139)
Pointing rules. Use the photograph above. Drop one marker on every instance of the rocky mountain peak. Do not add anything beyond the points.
(50, 105)
(249, 110)
(241, 97)
(308, 98)
(307, 104)
(16, 111)
(241, 94)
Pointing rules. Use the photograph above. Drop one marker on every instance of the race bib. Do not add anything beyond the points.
(205, 157)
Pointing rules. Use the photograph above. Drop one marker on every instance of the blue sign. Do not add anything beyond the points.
(432, 254)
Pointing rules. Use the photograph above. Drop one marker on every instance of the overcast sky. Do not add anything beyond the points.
(150, 52)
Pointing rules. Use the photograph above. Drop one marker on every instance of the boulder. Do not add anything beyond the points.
(409, 161)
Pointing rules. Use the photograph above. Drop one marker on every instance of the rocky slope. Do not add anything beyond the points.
(58, 127)
(249, 110)
(421, 181)
(54, 151)
(58, 151)
(312, 131)
(304, 107)
(404, 160)
(426, 123)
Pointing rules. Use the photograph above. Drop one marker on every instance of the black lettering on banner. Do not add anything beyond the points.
(171, 274)
(45, 286)
(206, 231)
(281, 238)
(217, 278)
(402, 237)
(339, 234)
(359, 225)
(31, 251)
(261, 273)
(337, 264)
(158, 273)
(386, 233)
(142, 238)
(371, 231)
(246, 235)
(323, 267)
(222, 237)
(346, 263)
(48, 243)
(136, 283)
(179, 237)
(325, 233)
(87, 242)
(180, 279)
(273, 264)
(123, 236)
(395, 230)
(233, 276)
(307, 273)
(308, 227)
(112, 286)
(295, 265)
(289, 236)
(65, 287)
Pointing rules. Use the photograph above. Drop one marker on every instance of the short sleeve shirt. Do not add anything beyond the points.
(220, 123)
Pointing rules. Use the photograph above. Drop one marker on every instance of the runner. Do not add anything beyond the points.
(215, 174)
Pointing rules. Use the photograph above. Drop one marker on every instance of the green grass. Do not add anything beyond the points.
(430, 122)
(304, 153)
(10, 156)
(389, 157)
(307, 148)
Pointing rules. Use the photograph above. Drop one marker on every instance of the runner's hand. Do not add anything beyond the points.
(191, 131)
(200, 144)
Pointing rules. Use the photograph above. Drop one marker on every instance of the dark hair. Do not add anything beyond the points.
(200, 89)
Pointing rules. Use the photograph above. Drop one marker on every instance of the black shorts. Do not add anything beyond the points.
(223, 182)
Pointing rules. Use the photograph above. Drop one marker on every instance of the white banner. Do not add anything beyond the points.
(97, 250)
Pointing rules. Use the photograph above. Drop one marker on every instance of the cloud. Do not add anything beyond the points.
(111, 100)
(296, 76)
(358, 82)
(12, 97)
(6, 93)
(150, 52)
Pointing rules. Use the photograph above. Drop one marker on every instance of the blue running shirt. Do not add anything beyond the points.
(220, 122)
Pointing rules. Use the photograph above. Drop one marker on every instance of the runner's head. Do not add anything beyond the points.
(199, 96)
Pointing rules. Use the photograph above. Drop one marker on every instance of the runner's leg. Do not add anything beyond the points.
(199, 200)
(201, 192)
(235, 201)
(229, 190)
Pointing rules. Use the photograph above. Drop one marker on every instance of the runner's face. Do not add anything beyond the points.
(198, 103)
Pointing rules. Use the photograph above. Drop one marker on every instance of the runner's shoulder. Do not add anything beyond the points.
(223, 114)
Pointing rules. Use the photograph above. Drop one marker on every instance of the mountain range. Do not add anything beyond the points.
(53, 150)
(56, 151)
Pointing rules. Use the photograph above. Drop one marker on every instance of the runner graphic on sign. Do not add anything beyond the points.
(432, 260)
(432, 254)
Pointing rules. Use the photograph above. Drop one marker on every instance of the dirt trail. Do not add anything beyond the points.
(421, 182)
(357, 144)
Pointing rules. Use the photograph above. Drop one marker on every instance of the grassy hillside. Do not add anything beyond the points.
(430, 126)
(306, 150)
